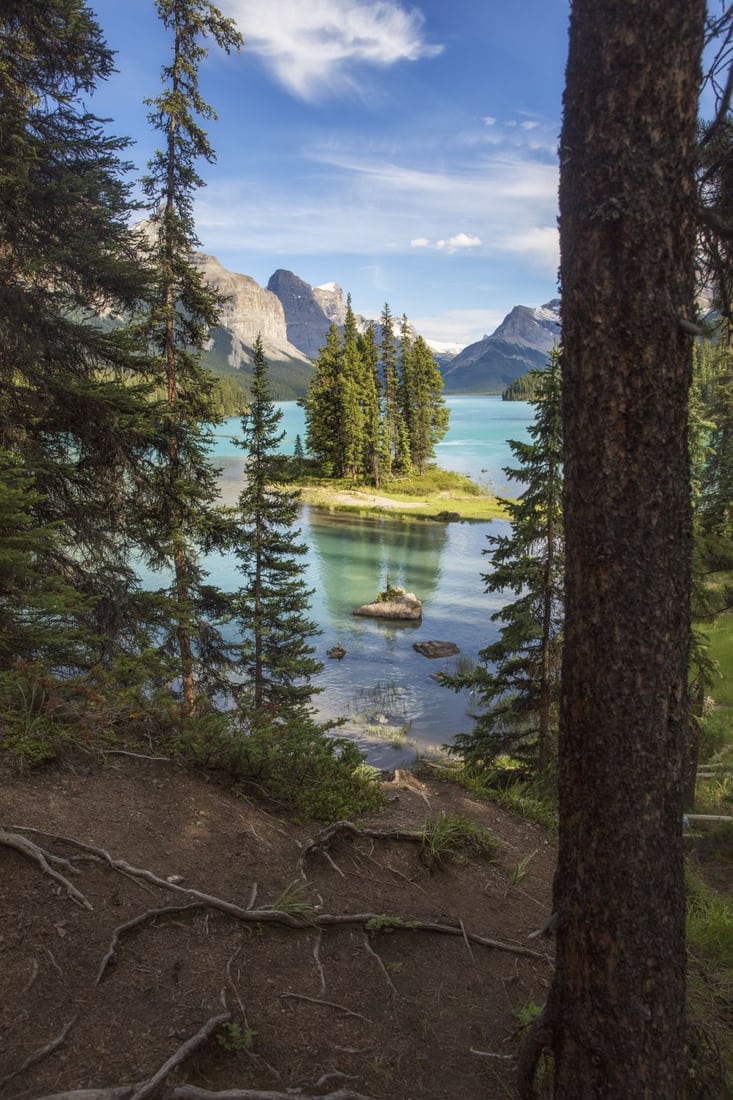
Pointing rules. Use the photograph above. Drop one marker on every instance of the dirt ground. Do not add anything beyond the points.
(337, 1003)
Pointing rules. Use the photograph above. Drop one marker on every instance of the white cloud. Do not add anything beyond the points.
(489, 120)
(312, 46)
(529, 125)
(452, 244)
(461, 240)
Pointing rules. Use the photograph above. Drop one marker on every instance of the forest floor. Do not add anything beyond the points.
(218, 989)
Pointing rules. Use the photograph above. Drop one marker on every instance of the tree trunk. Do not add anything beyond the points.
(627, 198)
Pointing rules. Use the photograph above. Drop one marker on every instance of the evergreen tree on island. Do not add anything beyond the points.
(518, 683)
(373, 411)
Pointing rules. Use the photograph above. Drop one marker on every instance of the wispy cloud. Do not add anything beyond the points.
(458, 325)
(313, 46)
(358, 203)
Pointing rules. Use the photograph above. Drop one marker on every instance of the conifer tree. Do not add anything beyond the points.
(322, 407)
(426, 414)
(372, 441)
(275, 659)
(183, 311)
(73, 404)
(351, 389)
(391, 413)
(518, 683)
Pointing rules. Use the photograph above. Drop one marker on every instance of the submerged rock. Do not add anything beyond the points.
(336, 652)
(436, 649)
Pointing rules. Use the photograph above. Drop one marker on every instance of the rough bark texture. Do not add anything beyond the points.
(616, 1009)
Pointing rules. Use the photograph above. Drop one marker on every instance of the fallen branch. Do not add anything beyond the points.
(39, 1054)
(28, 848)
(148, 1088)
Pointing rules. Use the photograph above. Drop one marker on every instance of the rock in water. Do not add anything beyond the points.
(436, 649)
(394, 604)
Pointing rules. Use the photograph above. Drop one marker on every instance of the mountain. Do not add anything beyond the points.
(294, 317)
(310, 310)
(523, 340)
(248, 311)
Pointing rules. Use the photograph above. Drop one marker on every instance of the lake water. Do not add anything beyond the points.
(384, 687)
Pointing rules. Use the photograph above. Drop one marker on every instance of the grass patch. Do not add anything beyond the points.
(526, 797)
(720, 639)
(710, 988)
(452, 837)
(434, 495)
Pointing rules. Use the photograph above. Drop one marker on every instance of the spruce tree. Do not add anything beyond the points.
(372, 440)
(517, 685)
(275, 660)
(392, 432)
(323, 408)
(182, 313)
(73, 406)
(425, 412)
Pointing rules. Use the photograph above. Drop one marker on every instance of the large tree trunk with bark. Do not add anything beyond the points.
(615, 1018)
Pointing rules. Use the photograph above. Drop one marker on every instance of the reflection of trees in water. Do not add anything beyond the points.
(357, 555)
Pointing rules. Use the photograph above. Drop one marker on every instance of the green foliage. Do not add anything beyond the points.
(384, 924)
(709, 923)
(374, 412)
(523, 388)
(275, 659)
(526, 1014)
(181, 311)
(453, 837)
(517, 684)
(293, 901)
(234, 1037)
(306, 772)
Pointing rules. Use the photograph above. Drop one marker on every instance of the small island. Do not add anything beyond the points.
(393, 604)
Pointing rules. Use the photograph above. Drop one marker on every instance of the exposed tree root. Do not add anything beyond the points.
(142, 918)
(322, 841)
(39, 1054)
(191, 1092)
(44, 859)
(537, 1040)
(371, 921)
(184, 1051)
(146, 1089)
(116, 1092)
(328, 1004)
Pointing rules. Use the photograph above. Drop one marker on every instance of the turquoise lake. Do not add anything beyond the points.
(383, 685)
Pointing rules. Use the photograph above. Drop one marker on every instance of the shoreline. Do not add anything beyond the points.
(439, 507)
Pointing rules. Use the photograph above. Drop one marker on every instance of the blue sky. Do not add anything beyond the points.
(407, 153)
